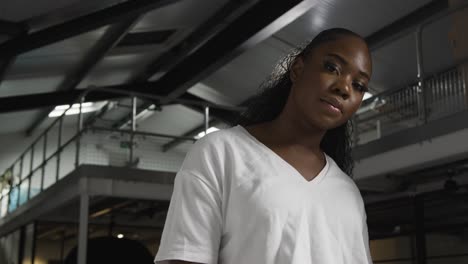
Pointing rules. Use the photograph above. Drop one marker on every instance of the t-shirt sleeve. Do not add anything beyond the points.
(193, 227)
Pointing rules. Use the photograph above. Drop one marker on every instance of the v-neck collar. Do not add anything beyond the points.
(317, 179)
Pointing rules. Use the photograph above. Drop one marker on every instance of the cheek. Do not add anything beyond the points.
(311, 85)
(354, 104)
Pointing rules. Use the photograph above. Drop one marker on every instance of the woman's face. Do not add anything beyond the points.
(328, 85)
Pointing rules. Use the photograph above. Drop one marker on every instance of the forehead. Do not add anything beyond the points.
(354, 50)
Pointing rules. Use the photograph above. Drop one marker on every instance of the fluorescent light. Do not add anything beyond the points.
(119, 236)
(75, 109)
(367, 95)
(62, 107)
(202, 134)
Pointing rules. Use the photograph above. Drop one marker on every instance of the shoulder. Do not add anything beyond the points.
(215, 142)
(209, 156)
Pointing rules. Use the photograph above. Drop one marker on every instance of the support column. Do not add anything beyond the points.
(83, 228)
(419, 232)
(207, 119)
(422, 93)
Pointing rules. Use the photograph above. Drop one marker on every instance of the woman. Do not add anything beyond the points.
(276, 188)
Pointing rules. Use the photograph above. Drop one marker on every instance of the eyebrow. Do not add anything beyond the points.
(345, 62)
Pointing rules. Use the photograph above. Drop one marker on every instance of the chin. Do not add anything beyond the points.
(327, 123)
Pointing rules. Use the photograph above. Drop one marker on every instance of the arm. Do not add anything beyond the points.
(193, 227)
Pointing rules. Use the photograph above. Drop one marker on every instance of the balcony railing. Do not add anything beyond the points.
(59, 150)
(395, 110)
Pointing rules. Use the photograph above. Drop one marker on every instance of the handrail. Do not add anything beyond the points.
(16, 181)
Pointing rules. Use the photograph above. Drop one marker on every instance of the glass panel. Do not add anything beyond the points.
(13, 203)
(3, 206)
(26, 164)
(67, 159)
(35, 183)
(24, 191)
(50, 172)
(17, 172)
(38, 153)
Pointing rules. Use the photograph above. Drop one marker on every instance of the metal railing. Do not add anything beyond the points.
(403, 108)
(57, 153)
(427, 99)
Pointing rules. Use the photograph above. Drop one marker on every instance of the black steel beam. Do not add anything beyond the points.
(146, 38)
(191, 42)
(53, 34)
(420, 234)
(34, 101)
(255, 25)
(12, 28)
(180, 51)
(110, 38)
(406, 24)
(247, 30)
(5, 64)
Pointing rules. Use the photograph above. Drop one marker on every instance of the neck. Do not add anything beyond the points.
(291, 131)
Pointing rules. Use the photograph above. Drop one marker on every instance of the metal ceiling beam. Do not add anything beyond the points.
(180, 51)
(53, 34)
(146, 38)
(34, 101)
(12, 28)
(406, 24)
(256, 24)
(110, 38)
(252, 27)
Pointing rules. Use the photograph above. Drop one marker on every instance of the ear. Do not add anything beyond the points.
(297, 68)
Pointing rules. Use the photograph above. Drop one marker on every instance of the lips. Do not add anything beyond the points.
(334, 102)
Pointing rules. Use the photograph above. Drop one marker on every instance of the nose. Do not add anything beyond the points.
(342, 87)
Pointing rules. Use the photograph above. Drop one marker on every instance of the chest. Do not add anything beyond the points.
(277, 200)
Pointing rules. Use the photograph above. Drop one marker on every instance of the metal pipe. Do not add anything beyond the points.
(420, 235)
(17, 188)
(378, 129)
(9, 194)
(207, 119)
(30, 172)
(133, 128)
(83, 227)
(44, 163)
(79, 127)
(143, 133)
(59, 148)
(463, 86)
(421, 89)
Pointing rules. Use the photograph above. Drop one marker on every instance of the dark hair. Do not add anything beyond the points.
(269, 103)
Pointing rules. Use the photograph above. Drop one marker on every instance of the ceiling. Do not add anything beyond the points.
(171, 35)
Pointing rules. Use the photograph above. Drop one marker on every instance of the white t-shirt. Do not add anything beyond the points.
(235, 201)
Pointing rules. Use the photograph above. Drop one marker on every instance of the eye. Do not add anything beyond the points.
(360, 87)
(331, 67)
